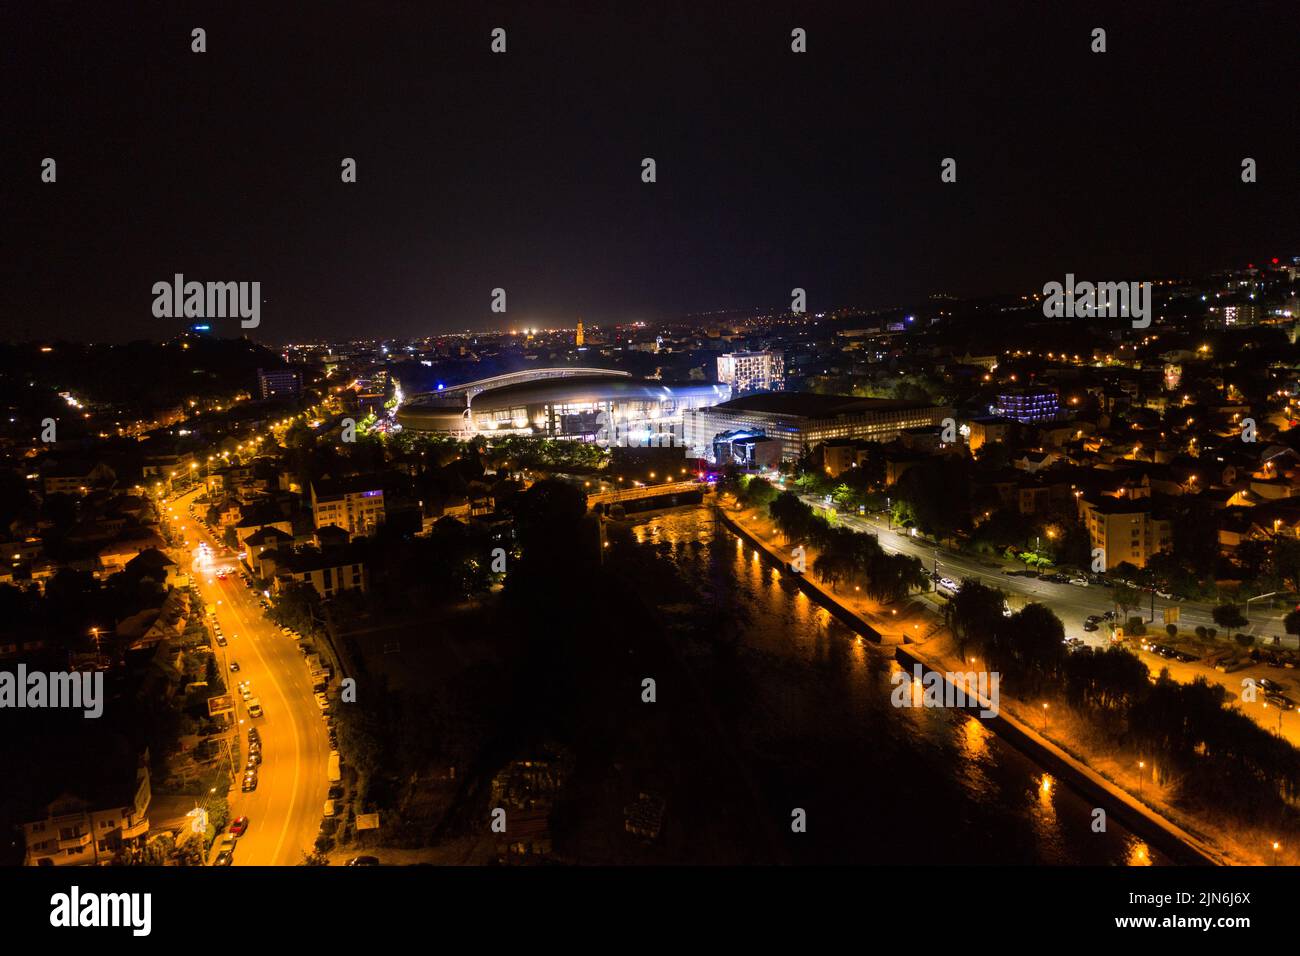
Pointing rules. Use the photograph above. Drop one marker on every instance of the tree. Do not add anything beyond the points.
(937, 491)
(792, 517)
(1039, 639)
(297, 606)
(756, 492)
(1125, 598)
(1292, 622)
(1228, 615)
(975, 614)
(218, 814)
(1286, 561)
(548, 514)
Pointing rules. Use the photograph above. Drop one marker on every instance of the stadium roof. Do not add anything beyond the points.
(595, 388)
(810, 405)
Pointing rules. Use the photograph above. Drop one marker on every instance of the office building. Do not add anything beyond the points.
(801, 421)
(1035, 404)
(279, 383)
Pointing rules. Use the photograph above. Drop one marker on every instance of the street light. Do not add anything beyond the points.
(1256, 598)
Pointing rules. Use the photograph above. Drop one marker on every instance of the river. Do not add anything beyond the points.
(814, 729)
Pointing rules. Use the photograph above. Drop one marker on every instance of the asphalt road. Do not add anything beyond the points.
(285, 810)
(1071, 603)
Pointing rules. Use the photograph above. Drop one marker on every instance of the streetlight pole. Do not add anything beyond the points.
(1257, 597)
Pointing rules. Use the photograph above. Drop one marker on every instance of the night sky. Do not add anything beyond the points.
(522, 170)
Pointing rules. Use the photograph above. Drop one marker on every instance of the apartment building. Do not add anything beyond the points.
(354, 504)
(88, 823)
(328, 573)
(1125, 530)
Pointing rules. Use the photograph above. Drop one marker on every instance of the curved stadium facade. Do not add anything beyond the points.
(579, 403)
(562, 403)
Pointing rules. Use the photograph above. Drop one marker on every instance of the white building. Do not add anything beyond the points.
(752, 371)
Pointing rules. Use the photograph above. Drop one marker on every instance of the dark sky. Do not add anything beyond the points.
(522, 170)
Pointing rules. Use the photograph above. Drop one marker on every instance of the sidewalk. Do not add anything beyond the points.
(914, 623)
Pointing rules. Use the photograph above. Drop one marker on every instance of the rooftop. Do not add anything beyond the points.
(811, 405)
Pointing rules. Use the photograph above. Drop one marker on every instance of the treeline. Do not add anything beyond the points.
(1222, 753)
(844, 556)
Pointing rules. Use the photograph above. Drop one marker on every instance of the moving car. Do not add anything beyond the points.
(234, 667)
(1090, 625)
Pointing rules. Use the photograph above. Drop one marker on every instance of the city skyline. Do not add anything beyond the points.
(619, 441)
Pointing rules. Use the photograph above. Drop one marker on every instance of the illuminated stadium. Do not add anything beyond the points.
(563, 403)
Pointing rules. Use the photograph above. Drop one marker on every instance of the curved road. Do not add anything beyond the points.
(285, 810)
(1071, 603)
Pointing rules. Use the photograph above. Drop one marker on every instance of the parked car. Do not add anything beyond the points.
(250, 782)
(1090, 625)
(224, 858)
(1080, 582)
(238, 826)
(363, 861)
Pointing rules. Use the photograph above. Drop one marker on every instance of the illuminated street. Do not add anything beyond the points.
(285, 810)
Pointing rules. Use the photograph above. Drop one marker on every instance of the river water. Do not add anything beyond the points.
(816, 731)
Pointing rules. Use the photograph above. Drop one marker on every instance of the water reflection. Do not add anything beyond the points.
(890, 784)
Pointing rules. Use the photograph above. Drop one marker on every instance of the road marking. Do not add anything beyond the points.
(297, 743)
